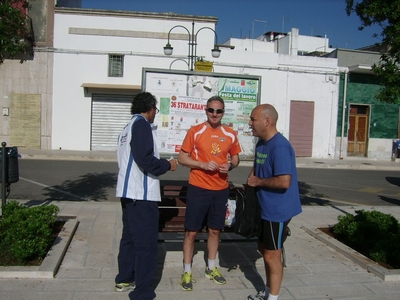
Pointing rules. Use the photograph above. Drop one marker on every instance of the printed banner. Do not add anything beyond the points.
(183, 99)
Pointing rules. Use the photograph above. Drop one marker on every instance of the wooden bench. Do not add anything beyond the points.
(173, 206)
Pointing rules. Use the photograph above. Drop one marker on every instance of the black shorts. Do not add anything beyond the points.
(201, 203)
(273, 234)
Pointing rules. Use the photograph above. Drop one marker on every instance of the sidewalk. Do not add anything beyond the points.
(314, 270)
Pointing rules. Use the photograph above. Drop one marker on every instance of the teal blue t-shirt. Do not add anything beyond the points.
(272, 158)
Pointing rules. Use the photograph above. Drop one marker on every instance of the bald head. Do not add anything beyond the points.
(263, 120)
(270, 112)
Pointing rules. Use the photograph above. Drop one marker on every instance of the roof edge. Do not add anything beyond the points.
(123, 13)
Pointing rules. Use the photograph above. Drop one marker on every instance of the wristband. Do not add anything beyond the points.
(230, 167)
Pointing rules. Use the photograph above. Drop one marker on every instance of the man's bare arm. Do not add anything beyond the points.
(186, 160)
(276, 182)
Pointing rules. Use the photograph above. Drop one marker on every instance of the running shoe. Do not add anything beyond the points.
(214, 275)
(259, 296)
(124, 286)
(186, 281)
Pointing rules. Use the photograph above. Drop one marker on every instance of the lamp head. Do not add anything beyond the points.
(168, 49)
(214, 52)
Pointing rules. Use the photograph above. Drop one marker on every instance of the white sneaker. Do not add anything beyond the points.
(123, 287)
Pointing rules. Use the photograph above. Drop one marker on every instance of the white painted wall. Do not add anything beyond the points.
(251, 45)
(290, 44)
(377, 148)
(312, 43)
(305, 80)
(82, 59)
(301, 78)
(294, 43)
(380, 148)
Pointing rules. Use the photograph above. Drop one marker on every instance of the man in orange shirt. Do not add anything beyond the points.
(211, 150)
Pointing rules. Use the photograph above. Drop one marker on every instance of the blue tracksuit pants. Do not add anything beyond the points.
(137, 258)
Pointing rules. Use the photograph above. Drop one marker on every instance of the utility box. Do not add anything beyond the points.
(11, 164)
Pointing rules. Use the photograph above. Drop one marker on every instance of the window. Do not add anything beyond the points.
(115, 65)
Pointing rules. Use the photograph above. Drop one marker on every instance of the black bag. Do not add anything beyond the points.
(247, 213)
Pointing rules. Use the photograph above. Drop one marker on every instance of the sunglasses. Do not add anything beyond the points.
(212, 110)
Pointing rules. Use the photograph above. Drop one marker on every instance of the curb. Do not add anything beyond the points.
(67, 157)
(356, 257)
(51, 263)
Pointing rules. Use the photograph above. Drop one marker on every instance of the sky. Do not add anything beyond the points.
(252, 18)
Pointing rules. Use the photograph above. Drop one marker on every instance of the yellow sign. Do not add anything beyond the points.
(204, 66)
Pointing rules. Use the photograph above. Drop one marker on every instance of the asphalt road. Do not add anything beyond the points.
(95, 181)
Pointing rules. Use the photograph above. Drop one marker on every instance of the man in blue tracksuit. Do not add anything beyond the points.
(138, 187)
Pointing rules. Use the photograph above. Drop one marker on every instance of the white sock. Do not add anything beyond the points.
(188, 268)
(211, 263)
(272, 297)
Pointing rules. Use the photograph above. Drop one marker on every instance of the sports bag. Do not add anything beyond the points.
(247, 213)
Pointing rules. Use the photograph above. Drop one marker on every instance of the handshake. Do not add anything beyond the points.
(174, 163)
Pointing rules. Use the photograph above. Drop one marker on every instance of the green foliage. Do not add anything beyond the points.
(26, 232)
(388, 72)
(385, 14)
(16, 34)
(372, 233)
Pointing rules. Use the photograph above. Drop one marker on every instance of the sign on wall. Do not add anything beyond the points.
(183, 97)
(203, 66)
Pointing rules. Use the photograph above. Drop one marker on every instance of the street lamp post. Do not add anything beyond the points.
(192, 53)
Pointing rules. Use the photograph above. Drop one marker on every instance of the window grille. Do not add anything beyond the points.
(115, 65)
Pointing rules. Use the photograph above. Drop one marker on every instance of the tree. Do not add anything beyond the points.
(385, 14)
(16, 34)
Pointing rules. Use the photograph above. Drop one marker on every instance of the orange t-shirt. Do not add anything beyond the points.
(204, 144)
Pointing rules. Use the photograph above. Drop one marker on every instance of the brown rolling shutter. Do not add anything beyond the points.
(301, 127)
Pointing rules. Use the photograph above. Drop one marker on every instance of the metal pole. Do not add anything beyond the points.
(252, 38)
(4, 178)
(192, 48)
(346, 71)
(192, 51)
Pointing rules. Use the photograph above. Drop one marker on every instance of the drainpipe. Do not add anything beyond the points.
(346, 71)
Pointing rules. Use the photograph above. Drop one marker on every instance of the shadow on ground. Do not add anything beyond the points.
(90, 187)
(309, 197)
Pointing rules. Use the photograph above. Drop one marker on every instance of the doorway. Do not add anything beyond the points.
(358, 130)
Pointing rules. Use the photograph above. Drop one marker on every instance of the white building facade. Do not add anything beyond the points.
(89, 105)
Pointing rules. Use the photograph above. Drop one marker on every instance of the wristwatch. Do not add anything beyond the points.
(230, 167)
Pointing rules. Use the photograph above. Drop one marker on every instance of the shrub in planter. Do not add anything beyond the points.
(372, 233)
(394, 251)
(25, 233)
